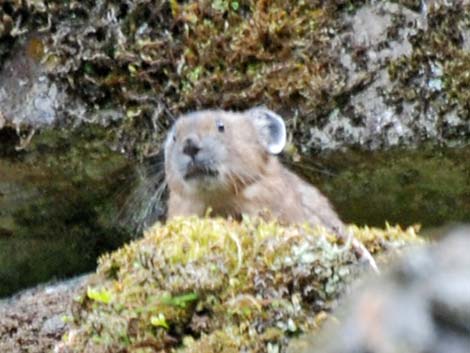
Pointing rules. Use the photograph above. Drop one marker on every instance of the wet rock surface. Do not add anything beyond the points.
(420, 305)
(429, 186)
(59, 199)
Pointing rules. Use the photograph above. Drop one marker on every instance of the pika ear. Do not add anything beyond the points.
(271, 128)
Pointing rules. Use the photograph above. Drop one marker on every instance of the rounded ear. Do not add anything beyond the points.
(271, 128)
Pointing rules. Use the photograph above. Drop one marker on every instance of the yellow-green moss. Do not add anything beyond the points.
(211, 285)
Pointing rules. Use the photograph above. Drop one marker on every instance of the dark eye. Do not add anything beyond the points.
(220, 126)
(174, 138)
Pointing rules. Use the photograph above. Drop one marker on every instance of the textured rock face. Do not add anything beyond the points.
(399, 62)
(421, 305)
(375, 74)
(28, 98)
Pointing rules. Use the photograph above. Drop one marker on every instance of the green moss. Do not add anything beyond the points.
(211, 285)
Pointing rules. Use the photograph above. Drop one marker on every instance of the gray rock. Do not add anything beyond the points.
(421, 306)
(33, 320)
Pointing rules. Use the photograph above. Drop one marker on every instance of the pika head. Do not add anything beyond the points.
(215, 151)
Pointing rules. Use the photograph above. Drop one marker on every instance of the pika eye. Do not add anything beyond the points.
(220, 126)
(174, 138)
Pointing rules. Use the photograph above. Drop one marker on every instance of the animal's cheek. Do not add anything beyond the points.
(221, 154)
(178, 164)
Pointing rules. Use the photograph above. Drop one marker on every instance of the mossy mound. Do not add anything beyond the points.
(211, 285)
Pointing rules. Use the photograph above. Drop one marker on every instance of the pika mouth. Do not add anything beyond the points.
(197, 170)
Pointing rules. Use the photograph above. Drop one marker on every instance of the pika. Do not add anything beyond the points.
(227, 161)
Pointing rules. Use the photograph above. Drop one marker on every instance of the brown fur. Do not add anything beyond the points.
(254, 180)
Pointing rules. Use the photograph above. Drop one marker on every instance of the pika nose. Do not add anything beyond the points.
(191, 146)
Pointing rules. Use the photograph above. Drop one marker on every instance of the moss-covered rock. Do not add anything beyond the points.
(377, 74)
(147, 61)
(211, 285)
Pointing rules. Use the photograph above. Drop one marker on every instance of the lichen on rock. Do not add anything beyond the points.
(206, 285)
(431, 82)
